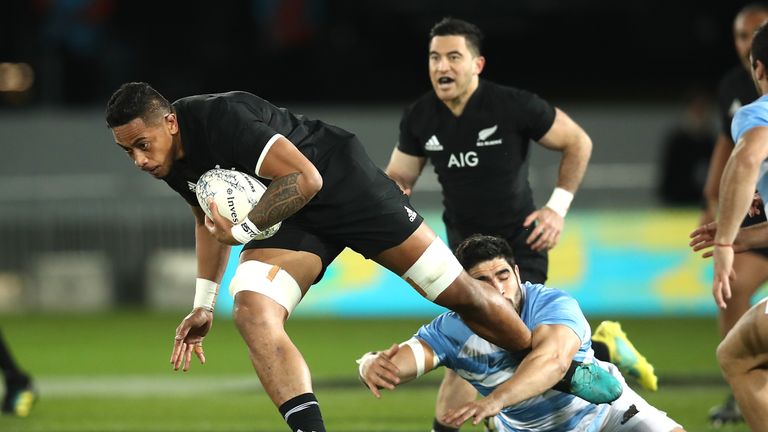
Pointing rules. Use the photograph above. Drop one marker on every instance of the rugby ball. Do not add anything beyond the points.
(235, 194)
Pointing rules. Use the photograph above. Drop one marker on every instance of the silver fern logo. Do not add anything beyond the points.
(484, 134)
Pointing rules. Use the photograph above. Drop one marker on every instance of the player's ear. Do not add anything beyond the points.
(479, 64)
(517, 275)
(172, 123)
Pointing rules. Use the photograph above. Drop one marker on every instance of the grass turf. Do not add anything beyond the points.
(128, 348)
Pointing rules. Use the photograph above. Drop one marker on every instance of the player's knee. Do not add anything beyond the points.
(435, 270)
(727, 357)
(249, 312)
(263, 293)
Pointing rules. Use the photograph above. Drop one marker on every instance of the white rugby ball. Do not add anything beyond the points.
(235, 194)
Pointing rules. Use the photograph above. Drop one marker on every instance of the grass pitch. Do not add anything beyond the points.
(110, 372)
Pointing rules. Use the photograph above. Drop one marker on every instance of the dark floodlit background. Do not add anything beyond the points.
(362, 51)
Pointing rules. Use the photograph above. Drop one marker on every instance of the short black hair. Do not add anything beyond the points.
(759, 50)
(455, 27)
(135, 100)
(478, 248)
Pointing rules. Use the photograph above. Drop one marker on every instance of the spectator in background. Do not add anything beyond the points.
(687, 149)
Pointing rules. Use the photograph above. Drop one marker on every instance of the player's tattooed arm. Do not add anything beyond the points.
(283, 198)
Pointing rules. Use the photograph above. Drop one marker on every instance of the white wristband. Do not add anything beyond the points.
(418, 354)
(245, 231)
(362, 361)
(560, 201)
(205, 294)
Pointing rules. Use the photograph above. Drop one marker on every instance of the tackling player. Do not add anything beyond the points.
(328, 195)
(516, 388)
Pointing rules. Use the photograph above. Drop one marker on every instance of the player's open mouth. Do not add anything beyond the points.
(445, 81)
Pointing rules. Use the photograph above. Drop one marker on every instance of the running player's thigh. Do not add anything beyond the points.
(751, 272)
(747, 342)
(304, 267)
(400, 258)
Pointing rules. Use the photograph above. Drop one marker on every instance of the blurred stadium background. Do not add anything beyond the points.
(97, 261)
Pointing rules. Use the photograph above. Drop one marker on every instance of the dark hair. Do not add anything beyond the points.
(455, 27)
(135, 100)
(478, 248)
(759, 50)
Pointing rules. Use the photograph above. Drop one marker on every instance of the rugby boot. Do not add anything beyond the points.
(624, 355)
(20, 396)
(727, 413)
(595, 384)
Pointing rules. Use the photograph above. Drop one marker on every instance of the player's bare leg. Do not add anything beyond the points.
(453, 393)
(751, 272)
(743, 358)
(483, 308)
(260, 319)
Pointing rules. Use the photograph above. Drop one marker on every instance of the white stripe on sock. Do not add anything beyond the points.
(299, 408)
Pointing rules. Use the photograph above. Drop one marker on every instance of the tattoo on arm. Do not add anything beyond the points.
(282, 198)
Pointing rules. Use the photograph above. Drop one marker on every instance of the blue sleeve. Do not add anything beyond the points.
(748, 117)
(559, 308)
(441, 336)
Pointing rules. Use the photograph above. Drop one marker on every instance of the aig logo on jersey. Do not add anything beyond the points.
(463, 160)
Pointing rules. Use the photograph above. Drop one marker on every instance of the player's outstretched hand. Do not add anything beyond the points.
(189, 338)
(721, 285)
(377, 370)
(703, 237)
(475, 410)
(219, 227)
(546, 233)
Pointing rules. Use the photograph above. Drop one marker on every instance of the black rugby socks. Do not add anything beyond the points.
(302, 414)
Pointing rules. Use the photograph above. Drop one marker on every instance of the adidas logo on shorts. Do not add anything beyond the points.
(411, 214)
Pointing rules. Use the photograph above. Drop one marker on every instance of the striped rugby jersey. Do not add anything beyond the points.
(486, 366)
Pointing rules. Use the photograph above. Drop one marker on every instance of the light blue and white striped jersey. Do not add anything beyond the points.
(486, 366)
(746, 118)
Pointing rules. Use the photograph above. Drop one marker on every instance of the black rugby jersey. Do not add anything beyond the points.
(480, 157)
(231, 130)
(736, 89)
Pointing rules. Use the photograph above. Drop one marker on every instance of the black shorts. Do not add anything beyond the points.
(533, 264)
(754, 220)
(364, 210)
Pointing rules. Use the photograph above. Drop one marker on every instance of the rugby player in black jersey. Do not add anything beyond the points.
(736, 89)
(328, 195)
(477, 135)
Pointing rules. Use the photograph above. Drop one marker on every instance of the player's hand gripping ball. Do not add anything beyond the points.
(235, 194)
